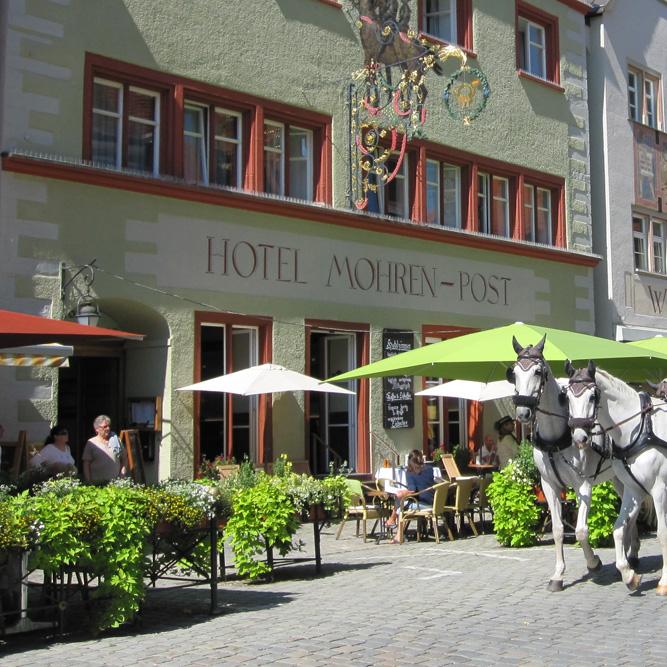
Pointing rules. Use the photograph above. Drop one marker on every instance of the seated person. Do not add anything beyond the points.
(418, 476)
(508, 445)
(487, 452)
(55, 456)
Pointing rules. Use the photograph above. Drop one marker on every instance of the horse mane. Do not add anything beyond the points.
(615, 386)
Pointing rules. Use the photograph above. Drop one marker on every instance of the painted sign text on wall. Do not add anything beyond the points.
(276, 263)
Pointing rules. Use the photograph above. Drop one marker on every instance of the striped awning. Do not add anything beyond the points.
(53, 355)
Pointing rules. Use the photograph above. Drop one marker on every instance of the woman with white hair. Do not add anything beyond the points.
(103, 456)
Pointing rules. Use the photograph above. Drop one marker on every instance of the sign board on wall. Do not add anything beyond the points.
(398, 401)
(250, 260)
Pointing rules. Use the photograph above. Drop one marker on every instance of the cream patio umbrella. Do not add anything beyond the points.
(470, 390)
(264, 379)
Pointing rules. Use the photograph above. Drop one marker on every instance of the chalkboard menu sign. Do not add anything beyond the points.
(398, 407)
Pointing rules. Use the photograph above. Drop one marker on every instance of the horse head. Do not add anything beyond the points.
(660, 389)
(583, 397)
(528, 375)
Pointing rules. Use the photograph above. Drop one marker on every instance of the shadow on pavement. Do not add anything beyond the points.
(164, 609)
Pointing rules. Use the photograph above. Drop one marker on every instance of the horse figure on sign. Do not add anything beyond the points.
(637, 425)
(539, 401)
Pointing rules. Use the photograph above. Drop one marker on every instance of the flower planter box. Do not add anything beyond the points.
(227, 470)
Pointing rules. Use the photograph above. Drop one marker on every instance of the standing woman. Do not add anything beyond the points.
(55, 456)
(103, 455)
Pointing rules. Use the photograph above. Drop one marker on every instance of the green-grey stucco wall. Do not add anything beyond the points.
(301, 52)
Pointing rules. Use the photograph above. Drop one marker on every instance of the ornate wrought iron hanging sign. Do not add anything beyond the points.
(388, 96)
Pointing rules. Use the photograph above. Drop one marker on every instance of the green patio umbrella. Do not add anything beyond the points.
(485, 356)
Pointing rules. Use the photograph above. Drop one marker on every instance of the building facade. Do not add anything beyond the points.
(208, 156)
(628, 61)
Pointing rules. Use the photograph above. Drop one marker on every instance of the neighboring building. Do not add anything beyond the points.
(627, 65)
(200, 152)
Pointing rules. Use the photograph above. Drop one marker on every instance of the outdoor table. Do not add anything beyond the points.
(483, 468)
(395, 480)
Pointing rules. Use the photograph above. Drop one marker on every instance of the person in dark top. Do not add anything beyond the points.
(418, 476)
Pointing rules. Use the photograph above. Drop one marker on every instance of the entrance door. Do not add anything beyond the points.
(333, 417)
(225, 349)
(244, 408)
(91, 386)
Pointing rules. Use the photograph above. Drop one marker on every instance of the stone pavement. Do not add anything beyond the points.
(464, 602)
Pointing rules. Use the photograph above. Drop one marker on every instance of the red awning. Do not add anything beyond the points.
(21, 329)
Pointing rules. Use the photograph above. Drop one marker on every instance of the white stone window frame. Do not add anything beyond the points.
(524, 26)
(484, 202)
(640, 237)
(548, 209)
(647, 90)
(434, 185)
(505, 204)
(236, 141)
(453, 14)
(277, 151)
(155, 123)
(456, 170)
(308, 159)
(118, 115)
(529, 208)
(202, 136)
(402, 178)
(658, 246)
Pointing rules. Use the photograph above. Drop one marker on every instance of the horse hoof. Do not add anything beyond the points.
(597, 567)
(661, 590)
(633, 562)
(555, 586)
(633, 584)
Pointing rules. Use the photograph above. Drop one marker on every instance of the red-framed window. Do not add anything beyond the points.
(138, 119)
(327, 414)
(447, 21)
(645, 98)
(126, 123)
(537, 43)
(447, 421)
(228, 425)
(458, 190)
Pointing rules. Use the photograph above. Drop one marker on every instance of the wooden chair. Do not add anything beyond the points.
(431, 514)
(358, 509)
(449, 464)
(480, 500)
(463, 506)
(14, 456)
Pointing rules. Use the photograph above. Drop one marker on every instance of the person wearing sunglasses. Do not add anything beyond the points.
(55, 455)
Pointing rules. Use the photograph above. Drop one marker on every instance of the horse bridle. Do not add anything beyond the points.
(525, 363)
(577, 387)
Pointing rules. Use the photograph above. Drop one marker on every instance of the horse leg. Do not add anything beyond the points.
(627, 516)
(553, 500)
(631, 542)
(593, 562)
(660, 502)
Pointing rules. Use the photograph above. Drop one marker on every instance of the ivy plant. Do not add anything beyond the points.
(515, 512)
(102, 530)
(605, 506)
(263, 515)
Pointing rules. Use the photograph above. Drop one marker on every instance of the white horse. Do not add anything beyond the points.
(539, 400)
(638, 429)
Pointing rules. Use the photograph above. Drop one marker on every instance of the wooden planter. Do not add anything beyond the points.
(227, 470)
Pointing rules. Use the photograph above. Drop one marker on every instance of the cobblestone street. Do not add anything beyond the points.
(463, 602)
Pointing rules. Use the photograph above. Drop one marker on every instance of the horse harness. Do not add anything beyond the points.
(529, 357)
(644, 435)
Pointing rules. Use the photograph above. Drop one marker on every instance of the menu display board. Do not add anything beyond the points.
(398, 403)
